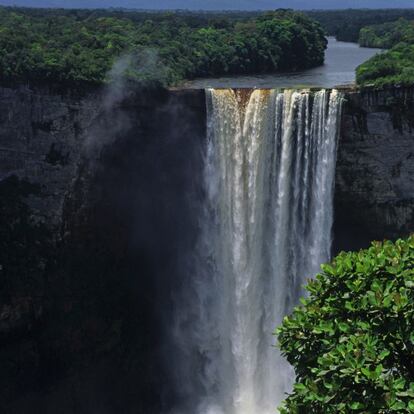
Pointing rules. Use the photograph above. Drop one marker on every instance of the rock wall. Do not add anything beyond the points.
(41, 136)
(43, 131)
(111, 220)
(118, 177)
(375, 168)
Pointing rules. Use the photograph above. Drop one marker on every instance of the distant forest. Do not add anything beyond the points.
(214, 4)
(345, 25)
(396, 66)
(68, 45)
(387, 35)
(80, 45)
(385, 29)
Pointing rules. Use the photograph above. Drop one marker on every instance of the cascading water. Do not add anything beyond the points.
(269, 177)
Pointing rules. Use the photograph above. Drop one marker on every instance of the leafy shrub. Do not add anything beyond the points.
(352, 341)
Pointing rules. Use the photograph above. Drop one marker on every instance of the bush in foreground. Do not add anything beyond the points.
(352, 341)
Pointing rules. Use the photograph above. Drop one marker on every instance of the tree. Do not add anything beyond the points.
(352, 340)
(82, 46)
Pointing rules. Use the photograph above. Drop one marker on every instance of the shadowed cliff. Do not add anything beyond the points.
(103, 205)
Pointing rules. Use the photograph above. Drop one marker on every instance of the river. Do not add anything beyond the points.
(341, 60)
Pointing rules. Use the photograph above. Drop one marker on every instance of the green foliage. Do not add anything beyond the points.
(346, 24)
(352, 341)
(70, 45)
(387, 35)
(390, 68)
(395, 66)
(376, 28)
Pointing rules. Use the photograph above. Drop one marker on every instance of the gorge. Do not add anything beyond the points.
(128, 187)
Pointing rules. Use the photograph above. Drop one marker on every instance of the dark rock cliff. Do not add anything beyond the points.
(41, 136)
(374, 196)
(41, 133)
(100, 192)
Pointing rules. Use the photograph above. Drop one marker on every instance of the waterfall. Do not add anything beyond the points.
(269, 176)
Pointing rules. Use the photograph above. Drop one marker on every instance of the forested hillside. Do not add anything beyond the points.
(346, 24)
(387, 35)
(385, 29)
(81, 46)
(395, 66)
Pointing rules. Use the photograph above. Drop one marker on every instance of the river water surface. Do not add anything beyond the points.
(341, 60)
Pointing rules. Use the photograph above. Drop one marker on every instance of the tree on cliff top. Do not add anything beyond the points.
(352, 341)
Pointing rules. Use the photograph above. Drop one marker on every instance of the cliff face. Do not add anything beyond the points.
(108, 188)
(375, 168)
(100, 192)
(41, 136)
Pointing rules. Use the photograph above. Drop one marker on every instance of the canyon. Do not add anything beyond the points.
(116, 184)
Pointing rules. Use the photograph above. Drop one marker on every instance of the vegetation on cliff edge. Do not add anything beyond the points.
(396, 66)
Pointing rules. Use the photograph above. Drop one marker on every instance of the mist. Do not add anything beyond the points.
(130, 74)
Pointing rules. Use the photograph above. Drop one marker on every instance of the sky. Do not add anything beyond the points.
(215, 4)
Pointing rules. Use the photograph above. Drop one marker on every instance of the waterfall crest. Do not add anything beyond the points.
(269, 176)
